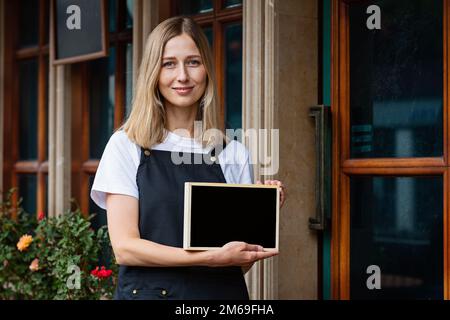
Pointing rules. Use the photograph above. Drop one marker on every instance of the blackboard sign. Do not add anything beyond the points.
(217, 213)
(78, 30)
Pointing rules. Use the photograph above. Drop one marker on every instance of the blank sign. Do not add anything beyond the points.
(78, 30)
(217, 213)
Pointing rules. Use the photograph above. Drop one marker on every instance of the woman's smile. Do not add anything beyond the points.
(183, 91)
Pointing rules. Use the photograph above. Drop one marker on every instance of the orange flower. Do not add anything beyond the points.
(24, 242)
(34, 266)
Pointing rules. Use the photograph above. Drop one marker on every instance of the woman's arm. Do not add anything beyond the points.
(130, 249)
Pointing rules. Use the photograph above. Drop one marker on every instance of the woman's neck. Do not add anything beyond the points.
(181, 119)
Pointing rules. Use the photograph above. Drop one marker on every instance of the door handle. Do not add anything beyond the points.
(322, 117)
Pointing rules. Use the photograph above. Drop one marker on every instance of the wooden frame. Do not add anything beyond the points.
(84, 57)
(13, 166)
(217, 19)
(343, 167)
(187, 211)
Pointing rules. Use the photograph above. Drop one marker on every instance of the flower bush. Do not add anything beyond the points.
(52, 258)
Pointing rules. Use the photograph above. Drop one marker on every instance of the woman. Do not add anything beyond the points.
(141, 186)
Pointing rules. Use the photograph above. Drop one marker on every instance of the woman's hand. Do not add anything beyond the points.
(280, 185)
(237, 253)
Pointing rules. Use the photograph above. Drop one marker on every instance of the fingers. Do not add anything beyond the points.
(280, 185)
(259, 255)
(272, 182)
(253, 247)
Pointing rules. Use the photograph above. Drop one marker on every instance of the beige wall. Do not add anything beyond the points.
(296, 80)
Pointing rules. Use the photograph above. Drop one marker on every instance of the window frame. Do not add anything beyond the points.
(13, 166)
(344, 167)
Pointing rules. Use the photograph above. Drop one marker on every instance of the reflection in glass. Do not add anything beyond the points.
(27, 191)
(28, 91)
(396, 80)
(46, 21)
(99, 220)
(397, 225)
(190, 7)
(129, 78)
(233, 76)
(130, 4)
(28, 23)
(209, 34)
(112, 12)
(101, 112)
(100, 214)
(232, 3)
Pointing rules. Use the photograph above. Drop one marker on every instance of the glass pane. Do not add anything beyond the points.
(28, 90)
(29, 23)
(112, 12)
(396, 80)
(209, 34)
(46, 21)
(190, 7)
(129, 78)
(27, 191)
(232, 3)
(130, 4)
(397, 225)
(99, 220)
(101, 104)
(100, 214)
(233, 75)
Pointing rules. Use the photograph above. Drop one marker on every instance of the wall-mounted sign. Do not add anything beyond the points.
(78, 30)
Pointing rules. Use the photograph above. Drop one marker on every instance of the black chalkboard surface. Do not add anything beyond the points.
(217, 213)
(78, 30)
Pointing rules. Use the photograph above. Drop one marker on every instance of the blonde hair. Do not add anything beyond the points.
(147, 120)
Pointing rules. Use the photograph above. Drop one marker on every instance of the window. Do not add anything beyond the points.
(222, 22)
(26, 102)
(101, 98)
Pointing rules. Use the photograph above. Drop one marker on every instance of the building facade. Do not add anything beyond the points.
(366, 173)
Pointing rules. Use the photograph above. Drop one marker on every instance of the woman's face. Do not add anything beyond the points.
(182, 80)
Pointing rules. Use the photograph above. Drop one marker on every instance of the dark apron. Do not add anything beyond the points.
(161, 206)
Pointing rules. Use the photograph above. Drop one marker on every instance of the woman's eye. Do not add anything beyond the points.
(168, 64)
(193, 62)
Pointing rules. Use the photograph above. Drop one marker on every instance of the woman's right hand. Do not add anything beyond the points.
(237, 253)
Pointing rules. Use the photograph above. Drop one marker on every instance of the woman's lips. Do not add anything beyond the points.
(183, 90)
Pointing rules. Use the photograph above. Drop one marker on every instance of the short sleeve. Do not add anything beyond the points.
(117, 170)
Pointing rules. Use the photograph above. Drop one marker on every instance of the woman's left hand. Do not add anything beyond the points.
(280, 185)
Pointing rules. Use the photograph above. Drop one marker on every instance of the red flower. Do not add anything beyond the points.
(95, 272)
(102, 273)
(41, 215)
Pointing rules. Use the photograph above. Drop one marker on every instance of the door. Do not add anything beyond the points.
(390, 149)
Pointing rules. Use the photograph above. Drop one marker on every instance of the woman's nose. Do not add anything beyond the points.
(182, 74)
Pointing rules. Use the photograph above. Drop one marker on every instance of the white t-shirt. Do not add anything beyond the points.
(118, 166)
